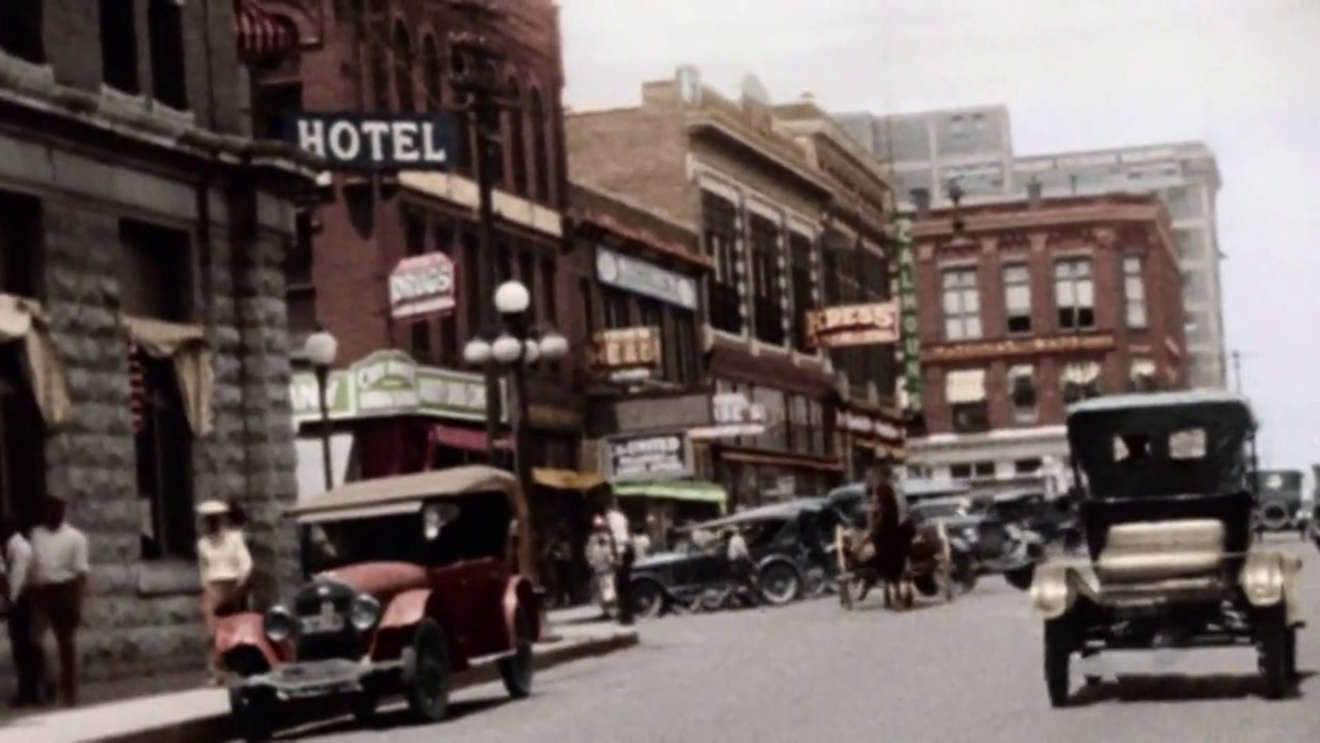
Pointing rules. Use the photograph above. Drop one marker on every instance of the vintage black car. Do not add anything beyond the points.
(785, 540)
(1167, 509)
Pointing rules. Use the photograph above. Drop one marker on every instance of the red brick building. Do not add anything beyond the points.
(1030, 306)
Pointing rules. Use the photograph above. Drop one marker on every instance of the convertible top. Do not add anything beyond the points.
(361, 498)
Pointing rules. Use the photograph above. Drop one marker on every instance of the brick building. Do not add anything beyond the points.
(394, 56)
(143, 235)
(776, 218)
(1033, 305)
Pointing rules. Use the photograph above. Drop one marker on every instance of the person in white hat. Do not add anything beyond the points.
(225, 565)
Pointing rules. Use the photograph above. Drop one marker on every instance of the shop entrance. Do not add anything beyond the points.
(22, 442)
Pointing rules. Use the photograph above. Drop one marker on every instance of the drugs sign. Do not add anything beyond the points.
(422, 285)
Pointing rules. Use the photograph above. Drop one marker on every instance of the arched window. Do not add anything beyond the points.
(464, 157)
(540, 146)
(380, 77)
(431, 74)
(517, 138)
(165, 34)
(20, 29)
(403, 66)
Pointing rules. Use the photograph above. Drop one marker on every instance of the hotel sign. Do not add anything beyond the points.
(623, 349)
(853, 325)
(357, 141)
(642, 277)
(1018, 347)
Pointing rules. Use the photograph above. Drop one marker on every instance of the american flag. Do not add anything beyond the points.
(137, 389)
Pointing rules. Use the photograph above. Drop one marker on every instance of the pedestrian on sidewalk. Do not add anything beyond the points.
(225, 566)
(59, 582)
(15, 570)
(625, 555)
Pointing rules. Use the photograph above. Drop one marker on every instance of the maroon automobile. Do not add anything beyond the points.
(411, 581)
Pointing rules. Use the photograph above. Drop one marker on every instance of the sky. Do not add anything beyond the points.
(1243, 77)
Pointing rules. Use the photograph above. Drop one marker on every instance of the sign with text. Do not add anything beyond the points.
(853, 325)
(305, 396)
(390, 383)
(421, 286)
(643, 277)
(1018, 347)
(647, 457)
(614, 351)
(734, 416)
(358, 141)
(909, 351)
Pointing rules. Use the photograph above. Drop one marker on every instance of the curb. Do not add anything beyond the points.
(217, 727)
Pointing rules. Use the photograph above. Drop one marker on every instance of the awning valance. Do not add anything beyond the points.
(187, 346)
(566, 479)
(704, 492)
(964, 386)
(1084, 372)
(261, 35)
(22, 319)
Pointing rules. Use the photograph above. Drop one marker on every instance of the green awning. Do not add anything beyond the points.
(705, 492)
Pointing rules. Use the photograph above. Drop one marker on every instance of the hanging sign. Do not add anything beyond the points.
(734, 416)
(647, 457)
(909, 349)
(422, 285)
(358, 141)
(642, 277)
(625, 350)
(853, 325)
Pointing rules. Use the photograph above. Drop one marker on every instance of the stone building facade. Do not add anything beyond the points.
(145, 237)
(1030, 306)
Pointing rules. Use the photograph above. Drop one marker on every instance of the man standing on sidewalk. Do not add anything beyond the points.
(626, 554)
(16, 553)
(59, 577)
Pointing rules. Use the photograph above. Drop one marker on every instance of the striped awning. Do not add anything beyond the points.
(261, 35)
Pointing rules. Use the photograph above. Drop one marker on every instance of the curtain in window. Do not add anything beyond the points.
(186, 345)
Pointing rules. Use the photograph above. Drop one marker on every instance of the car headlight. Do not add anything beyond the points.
(279, 624)
(363, 612)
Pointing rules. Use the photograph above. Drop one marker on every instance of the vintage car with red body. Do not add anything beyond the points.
(410, 580)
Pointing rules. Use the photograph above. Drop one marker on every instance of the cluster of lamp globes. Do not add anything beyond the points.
(511, 299)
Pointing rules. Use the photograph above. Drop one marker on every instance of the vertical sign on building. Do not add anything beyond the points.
(909, 346)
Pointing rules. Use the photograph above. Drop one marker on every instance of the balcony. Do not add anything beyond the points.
(725, 310)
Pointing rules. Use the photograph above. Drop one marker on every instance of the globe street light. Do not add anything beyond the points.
(506, 348)
(512, 298)
(477, 352)
(553, 346)
(321, 347)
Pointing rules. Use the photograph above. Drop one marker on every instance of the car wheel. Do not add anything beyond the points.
(964, 574)
(516, 669)
(1272, 637)
(1274, 516)
(427, 673)
(253, 712)
(779, 584)
(648, 600)
(715, 598)
(1058, 648)
(1021, 577)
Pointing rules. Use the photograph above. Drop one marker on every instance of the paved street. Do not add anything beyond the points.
(812, 672)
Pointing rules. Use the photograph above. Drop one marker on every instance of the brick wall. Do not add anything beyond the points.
(639, 152)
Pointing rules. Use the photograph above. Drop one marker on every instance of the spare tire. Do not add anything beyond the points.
(1275, 515)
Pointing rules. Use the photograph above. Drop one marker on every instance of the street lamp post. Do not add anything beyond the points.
(321, 348)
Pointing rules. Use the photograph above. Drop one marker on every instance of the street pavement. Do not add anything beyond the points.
(813, 672)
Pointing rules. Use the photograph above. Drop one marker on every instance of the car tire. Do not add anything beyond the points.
(253, 713)
(516, 669)
(648, 599)
(1272, 637)
(1058, 649)
(779, 584)
(1022, 577)
(1275, 516)
(427, 673)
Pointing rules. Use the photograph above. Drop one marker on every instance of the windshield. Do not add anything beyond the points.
(334, 544)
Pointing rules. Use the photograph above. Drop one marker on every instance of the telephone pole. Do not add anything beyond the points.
(1237, 369)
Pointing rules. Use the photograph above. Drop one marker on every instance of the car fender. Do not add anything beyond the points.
(1054, 590)
(1270, 577)
(518, 591)
(247, 630)
(405, 609)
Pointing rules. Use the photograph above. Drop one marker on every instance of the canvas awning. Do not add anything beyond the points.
(965, 385)
(188, 347)
(566, 479)
(688, 490)
(21, 319)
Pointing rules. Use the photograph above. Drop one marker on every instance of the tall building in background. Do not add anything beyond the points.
(973, 146)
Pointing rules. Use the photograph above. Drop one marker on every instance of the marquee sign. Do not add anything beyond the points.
(853, 325)
(422, 285)
(1018, 347)
(358, 141)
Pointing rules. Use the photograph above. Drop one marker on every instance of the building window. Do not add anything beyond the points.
(1080, 381)
(767, 285)
(653, 316)
(550, 290)
(1142, 375)
(154, 271)
(472, 282)
(22, 438)
(588, 305)
(20, 244)
(272, 104)
(1074, 294)
(616, 308)
(960, 471)
(300, 290)
(965, 393)
(503, 260)
(403, 69)
(983, 469)
(1029, 466)
(800, 250)
(1022, 393)
(1134, 292)
(962, 305)
(420, 340)
(830, 261)
(414, 232)
(527, 275)
(517, 139)
(431, 74)
(540, 147)
(685, 346)
(119, 67)
(380, 77)
(21, 29)
(165, 29)
(720, 220)
(465, 162)
(1017, 298)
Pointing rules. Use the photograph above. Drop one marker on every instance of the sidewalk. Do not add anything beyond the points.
(201, 715)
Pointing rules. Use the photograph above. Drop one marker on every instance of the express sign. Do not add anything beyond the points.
(355, 141)
(422, 285)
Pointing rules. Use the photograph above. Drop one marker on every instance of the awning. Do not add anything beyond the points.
(187, 346)
(703, 492)
(566, 479)
(261, 35)
(467, 439)
(22, 319)
(1081, 372)
(965, 385)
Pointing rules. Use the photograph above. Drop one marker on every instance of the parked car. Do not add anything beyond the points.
(1279, 500)
(409, 581)
(783, 539)
(1167, 512)
(1053, 519)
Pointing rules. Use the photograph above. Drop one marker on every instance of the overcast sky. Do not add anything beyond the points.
(1244, 77)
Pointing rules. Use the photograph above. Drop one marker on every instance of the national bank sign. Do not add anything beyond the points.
(358, 141)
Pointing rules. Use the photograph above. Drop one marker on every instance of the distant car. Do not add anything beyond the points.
(409, 582)
(1279, 500)
(785, 543)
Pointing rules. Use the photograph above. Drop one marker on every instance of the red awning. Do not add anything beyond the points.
(261, 35)
(465, 438)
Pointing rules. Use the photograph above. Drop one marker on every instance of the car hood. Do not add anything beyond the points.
(380, 579)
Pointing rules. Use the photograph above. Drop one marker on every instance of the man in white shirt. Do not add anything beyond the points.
(626, 554)
(15, 564)
(741, 565)
(225, 565)
(59, 579)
